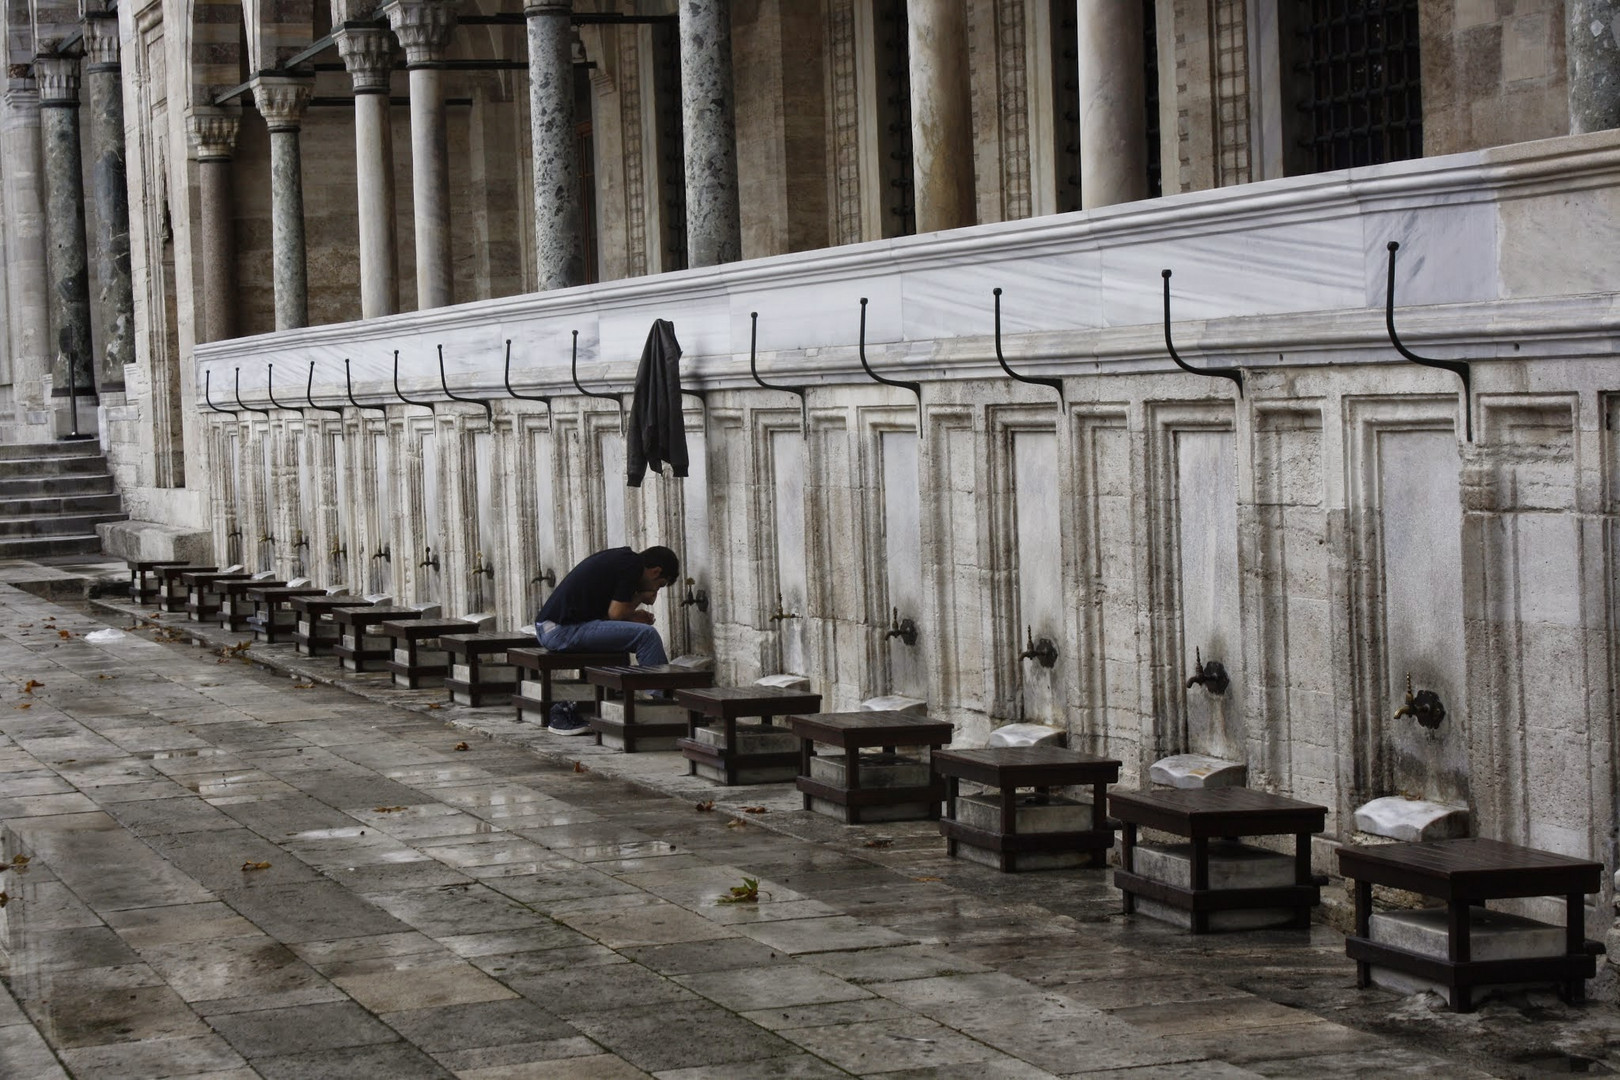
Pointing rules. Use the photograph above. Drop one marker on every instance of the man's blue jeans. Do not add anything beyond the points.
(605, 635)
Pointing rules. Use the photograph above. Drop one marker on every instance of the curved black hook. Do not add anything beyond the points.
(309, 388)
(208, 377)
(426, 404)
(508, 378)
(1033, 380)
(1211, 372)
(239, 400)
(915, 388)
(1459, 368)
(270, 388)
(753, 369)
(347, 381)
(573, 370)
(489, 410)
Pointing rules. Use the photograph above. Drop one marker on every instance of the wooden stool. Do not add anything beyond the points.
(143, 591)
(631, 725)
(273, 618)
(234, 606)
(539, 687)
(854, 787)
(476, 677)
(358, 648)
(1465, 873)
(202, 592)
(1259, 880)
(314, 630)
(1012, 832)
(412, 668)
(172, 590)
(761, 753)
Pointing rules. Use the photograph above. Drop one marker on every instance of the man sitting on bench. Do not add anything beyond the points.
(597, 607)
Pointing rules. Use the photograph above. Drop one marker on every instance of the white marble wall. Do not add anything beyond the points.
(1320, 534)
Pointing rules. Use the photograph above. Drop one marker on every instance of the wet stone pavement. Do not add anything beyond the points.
(231, 872)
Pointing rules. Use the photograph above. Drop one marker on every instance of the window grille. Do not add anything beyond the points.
(1361, 81)
(894, 118)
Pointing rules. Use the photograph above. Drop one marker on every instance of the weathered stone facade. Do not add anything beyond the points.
(1346, 519)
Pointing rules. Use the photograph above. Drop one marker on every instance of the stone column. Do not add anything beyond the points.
(281, 101)
(713, 220)
(68, 261)
(1113, 103)
(111, 191)
(423, 28)
(558, 243)
(369, 56)
(27, 298)
(941, 114)
(213, 140)
(1593, 46)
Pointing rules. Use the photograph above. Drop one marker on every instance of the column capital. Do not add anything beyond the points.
(212, 131)
(100, 41)
(368, 54)
(58, 81)
(423, 28)
(281, 100)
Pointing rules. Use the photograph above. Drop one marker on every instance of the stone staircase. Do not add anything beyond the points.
(52, 496)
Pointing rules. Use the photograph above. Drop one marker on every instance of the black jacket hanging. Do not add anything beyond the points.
(657, 426)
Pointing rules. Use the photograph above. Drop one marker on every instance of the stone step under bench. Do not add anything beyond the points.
(273, 619)
(629, 720)
(417, 659)
(731, 738)
(315, 631)
(540, 682)
(361, 646)
(235, 608)
(172, 589)
(479, 672)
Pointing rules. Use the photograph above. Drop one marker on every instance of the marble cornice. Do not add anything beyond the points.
(1292, 267)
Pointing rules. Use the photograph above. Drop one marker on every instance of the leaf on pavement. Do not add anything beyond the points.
(579, 766)
(386, 809)
(707, 805)
(756, 809)
(255, 866)
(462, 746)
(31, 685)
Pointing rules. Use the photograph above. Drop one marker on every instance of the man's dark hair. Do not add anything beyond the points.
(664, 559)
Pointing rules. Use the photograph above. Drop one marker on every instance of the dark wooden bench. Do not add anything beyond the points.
(1205, 814)
(626, 723)
(539, 686)
(995, 826)
(1465, 873)
(888, 786)
(315, 632)
(144, 583)
(412, 667)
(234, 605)
(479, 672)
(273, 618)
(359, 646)
(718, 748)
(172, 592)
(202, 591)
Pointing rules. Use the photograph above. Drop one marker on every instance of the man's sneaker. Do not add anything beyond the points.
(565, 720)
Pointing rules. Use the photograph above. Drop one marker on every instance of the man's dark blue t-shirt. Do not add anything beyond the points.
(600, 579)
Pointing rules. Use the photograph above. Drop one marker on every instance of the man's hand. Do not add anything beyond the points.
(645, 617)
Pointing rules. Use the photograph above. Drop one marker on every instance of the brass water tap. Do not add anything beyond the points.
(1425, 706)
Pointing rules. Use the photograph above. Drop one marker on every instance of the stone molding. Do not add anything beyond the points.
(58, 80)
(368, 54)
(101, 41)
(212, 132)
(544, 8)
(423, 28)
(281, 100)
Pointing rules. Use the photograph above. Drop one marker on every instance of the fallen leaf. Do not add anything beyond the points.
(756, 809)
(26, 705)
(386, 809)
(435, 705)
(21, 860)
(104, 676)
(462, 746)
(746, 893)
(579, 766)
(925, 878)
(30, 686)
(255, 866)
(64, 634)
(709, 805)
(882, 842)
(736, 823)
